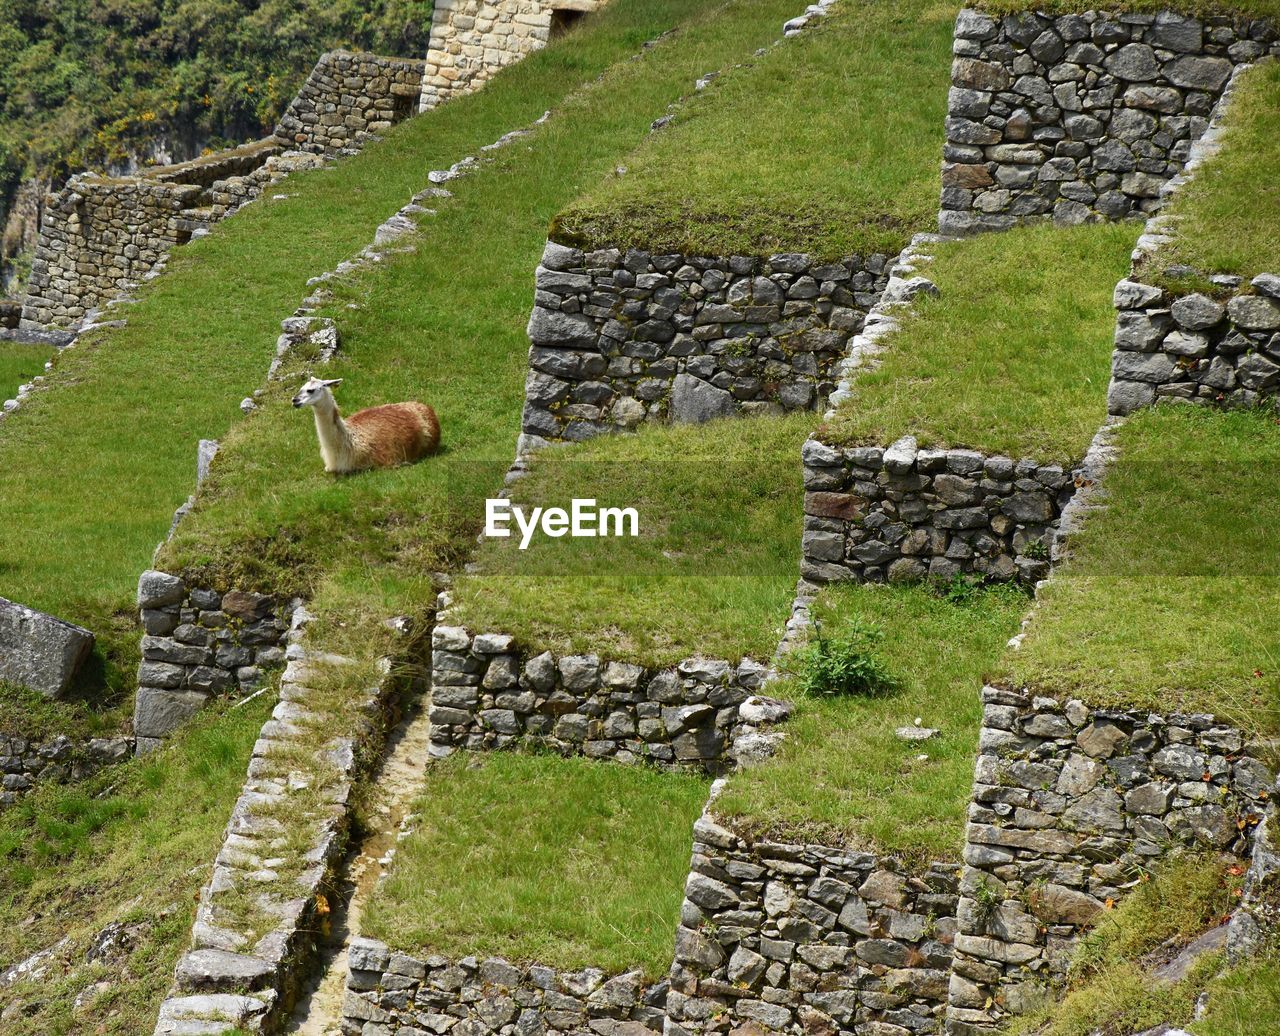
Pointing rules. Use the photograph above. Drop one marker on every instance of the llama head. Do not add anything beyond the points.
(315, 390)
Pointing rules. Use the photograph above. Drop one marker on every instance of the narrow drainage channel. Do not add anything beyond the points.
(319, 1012)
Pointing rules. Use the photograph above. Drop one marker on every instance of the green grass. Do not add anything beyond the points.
(712, 573)
(842, 777)
(1110, 986)
(1225, 217)
(1198, 8)
(132, 845)
(18, 365)
(1013, 357)
(445, 325)
(1242, 999)
(1172, 601)
(121, 424)
(827, 145)
(585, 867)
(29, 714)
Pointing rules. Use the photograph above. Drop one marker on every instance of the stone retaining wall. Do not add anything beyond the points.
(23, 762)
(1212, 350)
(1080, 117)
(393, 993)
(471, 40)
(619, 339)
(199, 643)
(793, 938)
(1070, 804)
(349, 98)
(902, 513)
(488, 694)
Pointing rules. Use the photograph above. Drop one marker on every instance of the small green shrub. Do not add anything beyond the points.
(843, 664)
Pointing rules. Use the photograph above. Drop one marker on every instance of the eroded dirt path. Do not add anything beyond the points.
(319, 1012)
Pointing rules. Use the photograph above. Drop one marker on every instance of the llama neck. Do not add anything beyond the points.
(335, 439)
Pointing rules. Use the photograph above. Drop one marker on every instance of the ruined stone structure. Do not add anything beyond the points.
(473, 39)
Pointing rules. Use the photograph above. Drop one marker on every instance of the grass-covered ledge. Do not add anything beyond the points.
(18, 365)
(712, 572)
(582, 866)
(1171, 600)
(1010, 358)
(1268, 9)
(842, 777)
(865, 88)
(1223, 220)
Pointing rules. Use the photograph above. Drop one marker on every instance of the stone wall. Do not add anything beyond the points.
(99, 236)
(1070, 804)
(902, 513)
(23, 762)
(487, 694)
(623, 338)
(471, 40)
(393, 993)
(349, 98)
(794, 938)
(1215, 350)
(199, 643)
(1080, 117)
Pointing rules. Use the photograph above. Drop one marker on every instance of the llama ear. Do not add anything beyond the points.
(331, 383)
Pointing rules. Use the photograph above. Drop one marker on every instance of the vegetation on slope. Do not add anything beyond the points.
(88, 82)
(1225, 218)
(585, 867)
(18, 365)
(827, 145)
(1013, 355)
(1111, 986)
(122, 420)
(108, 872)
(841, 776)
(445, 325)
(1171, 601)
(710, 576)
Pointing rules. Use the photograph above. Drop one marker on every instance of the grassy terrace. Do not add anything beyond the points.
(1198, 8)
(445, 325)
(1225, 217)
(711, 575)
(1172, 601)
(842, 777)
(130, 404)
(1013, 357)
(18, 365)
(866, 90)
(587, 867)
(132, 845)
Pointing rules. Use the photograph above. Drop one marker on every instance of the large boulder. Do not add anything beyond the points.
(39, 651)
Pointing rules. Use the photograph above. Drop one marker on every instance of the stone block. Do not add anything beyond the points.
(39, 651)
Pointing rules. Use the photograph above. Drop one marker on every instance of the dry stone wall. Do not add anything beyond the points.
(622, 338)
(488, 694)
(197, 644)
(1070, 803)
(903, 513)
(1080, 117)
(24, 762)
(471, 40)
(800, 938)
(394, 994)
(348, 99)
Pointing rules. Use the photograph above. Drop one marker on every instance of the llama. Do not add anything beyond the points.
(379, 437)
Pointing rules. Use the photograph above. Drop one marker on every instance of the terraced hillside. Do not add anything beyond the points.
(1001, 761)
